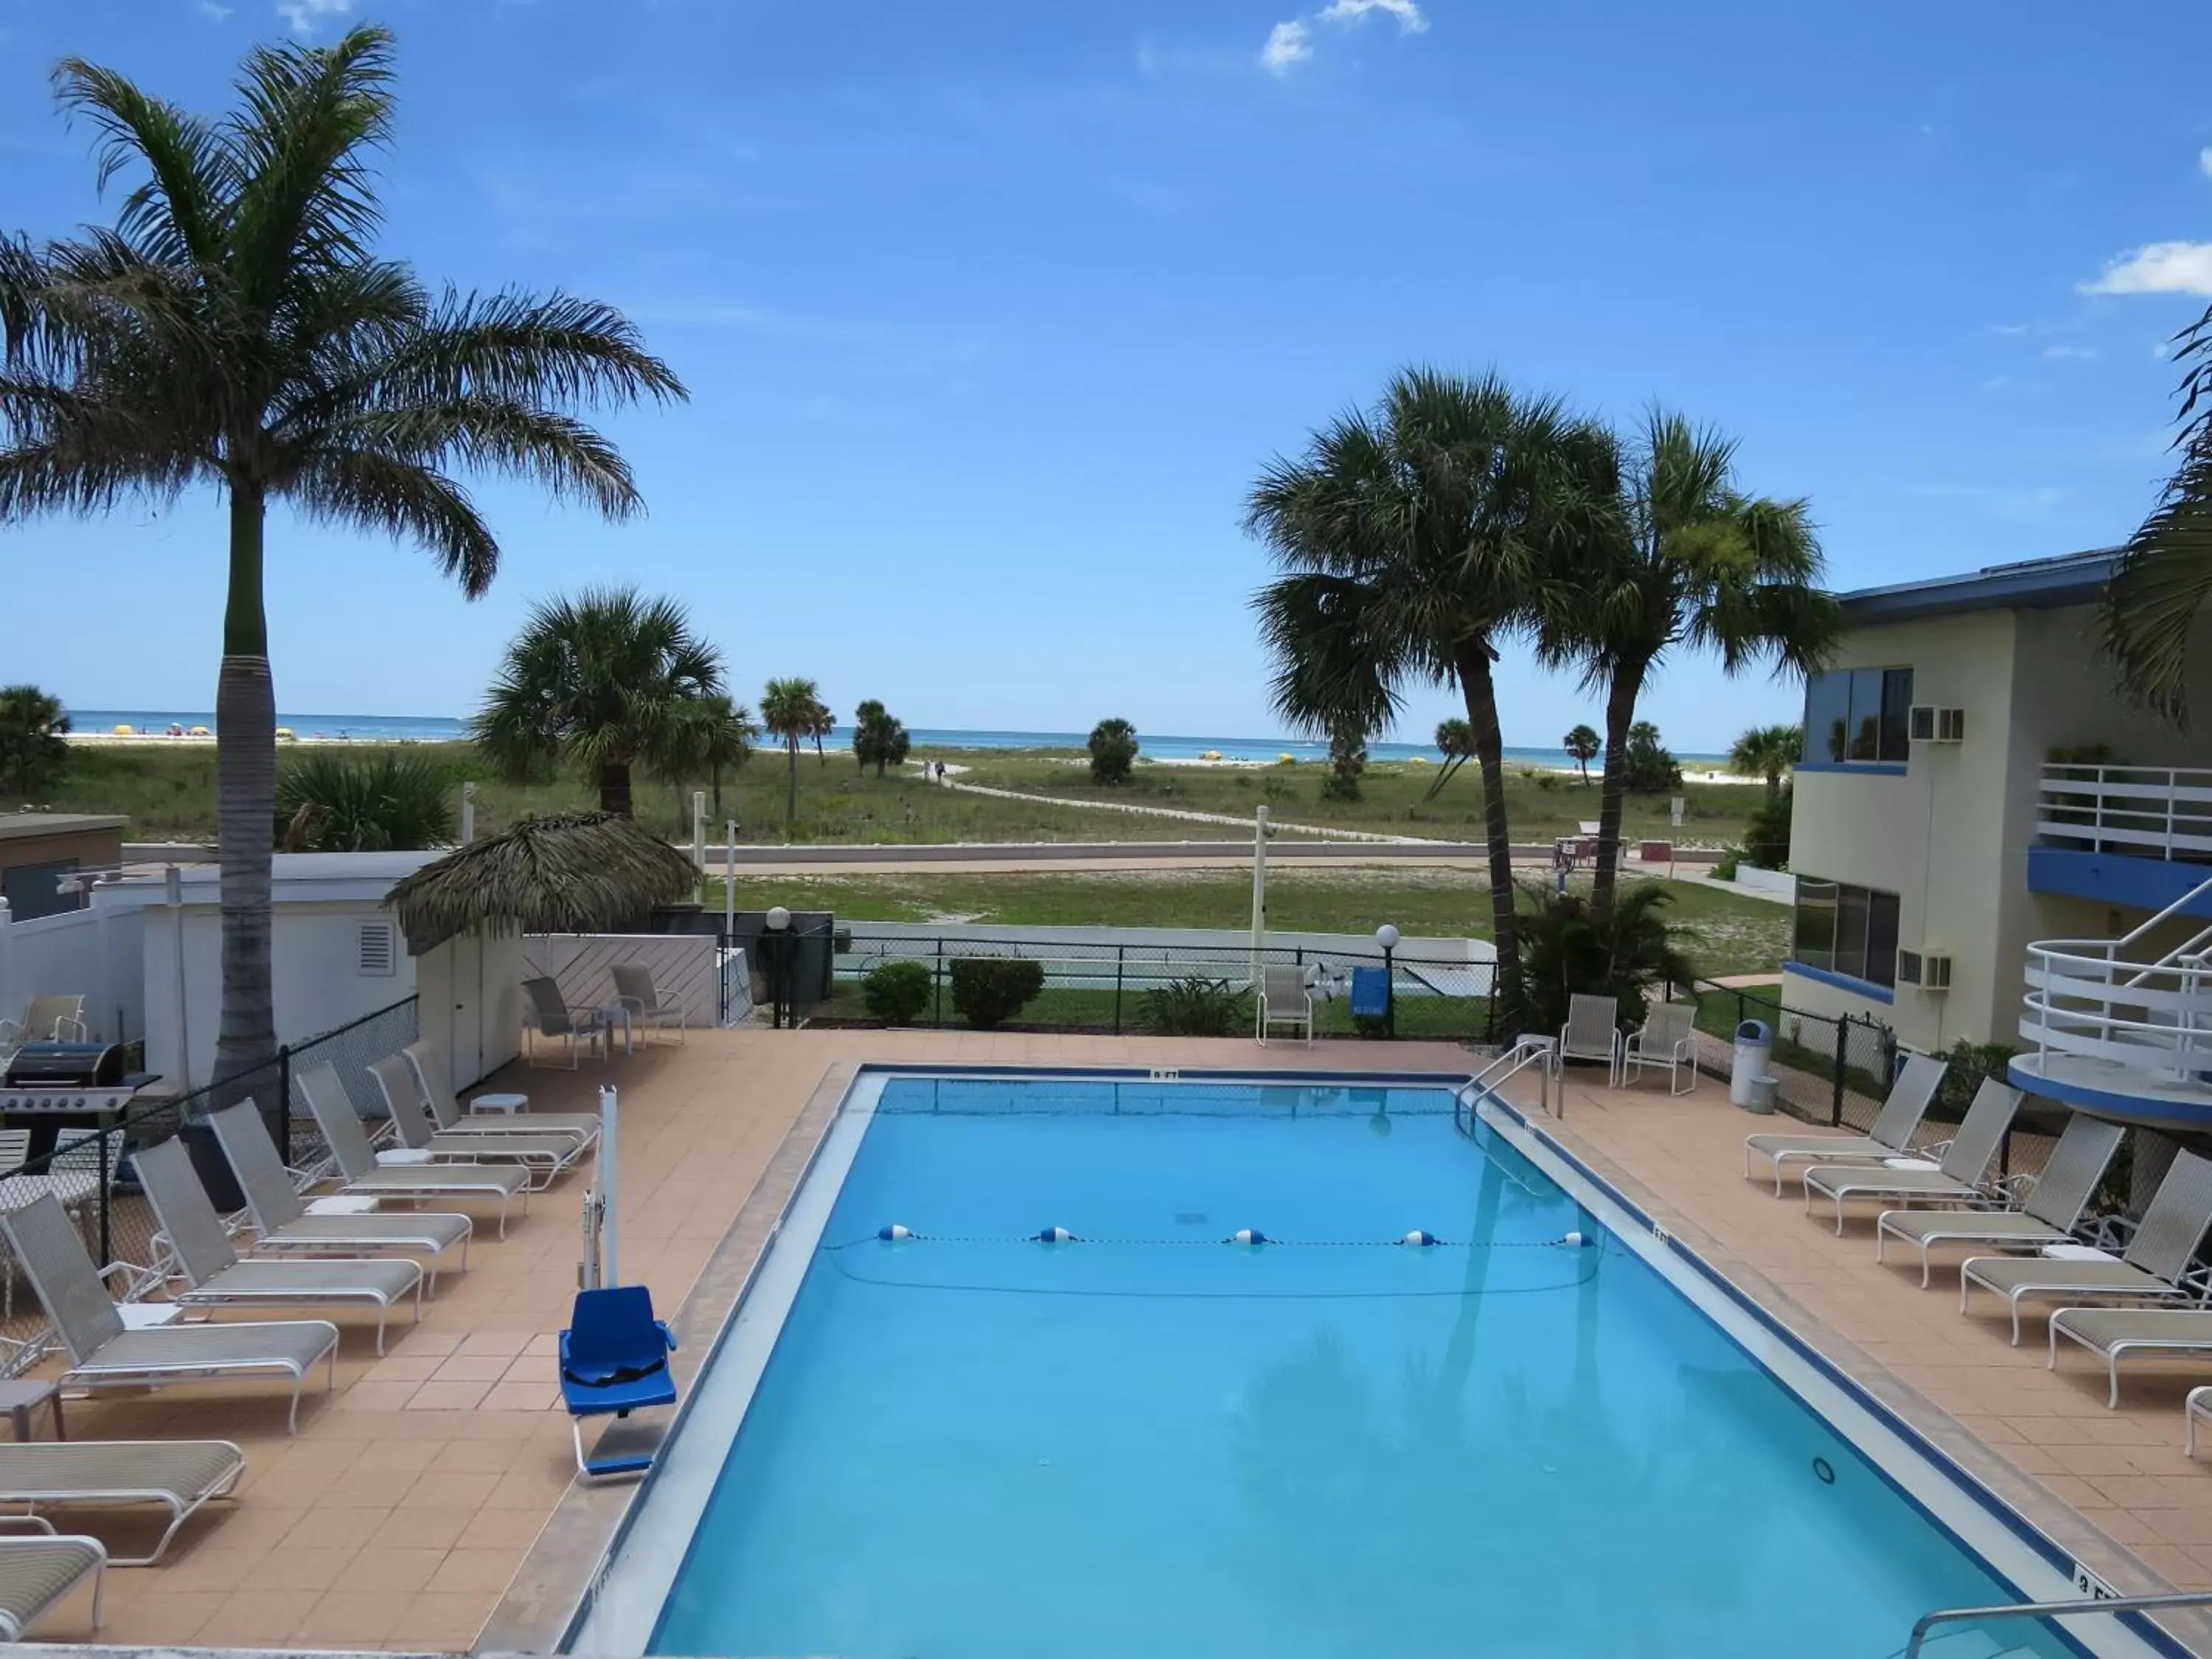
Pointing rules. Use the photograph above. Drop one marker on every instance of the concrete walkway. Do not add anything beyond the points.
(1324, 831)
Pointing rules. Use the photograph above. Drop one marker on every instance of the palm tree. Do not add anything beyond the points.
(1582, 745)
(1455, 742)
(33, 738)
(1692, 561)
(1411, 540)
(721, 735)
(789, 709)
(394, 801)
(235, 328)
(608, 681)
(1767, 752)
(2165, 573)
(879, 736)
(821, 723)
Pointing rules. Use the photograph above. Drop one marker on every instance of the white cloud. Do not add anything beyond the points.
(2077, 354)
(1286, 45)
(304, 14)
(2204, 162)
(2158, 268)
(209, 9)
(1349, 12)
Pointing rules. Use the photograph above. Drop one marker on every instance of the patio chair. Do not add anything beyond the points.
(634, 990)
(614, 1359)
(548, 1015)
(430, 1066)
(284, 1222)
(1593, 1032)
(542, 1157)
(2113, 1334)
(2052, 1210)
(196, 1246)
(1285, 999)
(1667, 1039)
(183, 1476)
(46, 1019)
(1961, 1175)
(365, 1176)
(2150, 1269)
(37, 1574)
(104, 1354)
(1910, 1096)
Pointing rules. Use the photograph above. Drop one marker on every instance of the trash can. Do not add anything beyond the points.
(1762, 1095)
(1754, 1044)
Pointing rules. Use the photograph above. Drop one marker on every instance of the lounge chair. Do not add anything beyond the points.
(2149, 1270)
(548, 1015)
(1667, 1040)
(1910, 1096)
(2198, 1405)
(1285, 999)
(183, 1476)
(1962, 1176)
(2053, 1208)
(634, 990)
(430, 1071)
(104, 1354)
(39, 1574)
(2112, 1334)
(614, 1359)
(282, 1221)
(1593, 1032)
(46, 1019)
(365, 1176)
(543, 1158)
(197, 1246)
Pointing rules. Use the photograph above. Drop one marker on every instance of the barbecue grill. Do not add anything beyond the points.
(52, 1086)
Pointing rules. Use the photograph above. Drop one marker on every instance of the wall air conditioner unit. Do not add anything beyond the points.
(1926, 723)
(1930, 970)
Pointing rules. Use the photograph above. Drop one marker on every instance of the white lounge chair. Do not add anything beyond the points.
(365, 1175)
(46, 1019)
(182, 1476)
(1910, 1096)
(37, 1574)
(634, 990)
(282, 1221)
(1961, 1175)
(193, 1244)
(429, 1066)
(1668, 1040)
(103, 1352)
(1593, 1032)
(549, 1016)
(2049, 1216)
(1285, 999)
(2149, 1270)
(543, 1158)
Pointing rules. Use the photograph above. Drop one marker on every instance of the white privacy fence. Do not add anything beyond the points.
(100, 954)
(687, 970)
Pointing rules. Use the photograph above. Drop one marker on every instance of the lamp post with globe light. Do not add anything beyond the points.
(1387, 937)
(776, 943)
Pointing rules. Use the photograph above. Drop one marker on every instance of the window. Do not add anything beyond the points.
(1846, 930)
(1858, 714)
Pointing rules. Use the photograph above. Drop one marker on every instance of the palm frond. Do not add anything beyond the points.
(521, 348)
(180, 215)
(368, 490)
(559, 453)
(2160, 589)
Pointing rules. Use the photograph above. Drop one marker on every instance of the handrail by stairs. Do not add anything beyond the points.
(1527, 1051)
(1928, 1621)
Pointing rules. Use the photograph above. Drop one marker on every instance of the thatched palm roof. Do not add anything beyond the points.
(565, 873)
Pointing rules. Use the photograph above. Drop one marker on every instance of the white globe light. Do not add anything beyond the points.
(778, 919)
(1387, 937)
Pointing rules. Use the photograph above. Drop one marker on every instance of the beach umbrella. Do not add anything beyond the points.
(562, 872)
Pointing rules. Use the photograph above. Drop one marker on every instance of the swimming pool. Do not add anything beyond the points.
(1522, 1439)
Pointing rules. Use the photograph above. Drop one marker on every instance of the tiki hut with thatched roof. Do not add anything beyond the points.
(565, 873)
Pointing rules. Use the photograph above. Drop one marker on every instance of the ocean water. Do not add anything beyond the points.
(402, 728)
(1330, 1446)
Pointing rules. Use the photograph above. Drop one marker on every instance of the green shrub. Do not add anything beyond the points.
(1649, 765)
(389, 801)
(1967, 1064)
(1766, 837)
(1726, 869)
(988, 991)
(1566, 952)
(895, 992)
(1194, 1006)
(1113, 750)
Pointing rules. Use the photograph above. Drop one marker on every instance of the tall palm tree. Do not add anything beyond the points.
(608, 682)
(1455, 742)
(1767, 752)
(2164, 578)
(790, 709)
(721, 735)
(821, 723)
(1411, 539)
(235, 328)
(1695, 562)
(1582, 745)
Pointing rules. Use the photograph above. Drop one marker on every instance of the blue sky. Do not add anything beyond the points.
(991, 310)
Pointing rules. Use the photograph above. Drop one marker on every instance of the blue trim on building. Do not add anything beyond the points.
(2138, 883)
(1863, 768)
(1863, 987)
(2114, 1104)
(2038, 584)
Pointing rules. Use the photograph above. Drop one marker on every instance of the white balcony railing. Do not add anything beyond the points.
(2085, 998)
(2148, 811)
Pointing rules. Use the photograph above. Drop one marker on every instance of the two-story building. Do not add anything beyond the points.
(1992, 843)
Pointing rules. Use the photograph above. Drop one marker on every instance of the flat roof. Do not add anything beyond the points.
(22, 826)
(2029, 585)
(295, 878)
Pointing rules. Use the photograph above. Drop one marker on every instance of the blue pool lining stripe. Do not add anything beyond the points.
(2058, 1559)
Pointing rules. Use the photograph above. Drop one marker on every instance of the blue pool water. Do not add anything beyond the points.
(972, 1445)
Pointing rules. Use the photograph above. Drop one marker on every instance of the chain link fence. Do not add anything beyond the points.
(1828, 1069)
(89, 1169)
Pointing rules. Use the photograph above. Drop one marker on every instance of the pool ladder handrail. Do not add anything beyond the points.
(1928, 1621)
(1528, 1050)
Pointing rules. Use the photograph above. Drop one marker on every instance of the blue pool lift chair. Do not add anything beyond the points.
(614, 1359)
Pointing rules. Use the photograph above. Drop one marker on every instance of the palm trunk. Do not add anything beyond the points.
(791, 800)
(246, 809)
(717, 771)
(1506, 1001)
(1620, 715)
(614, 787)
